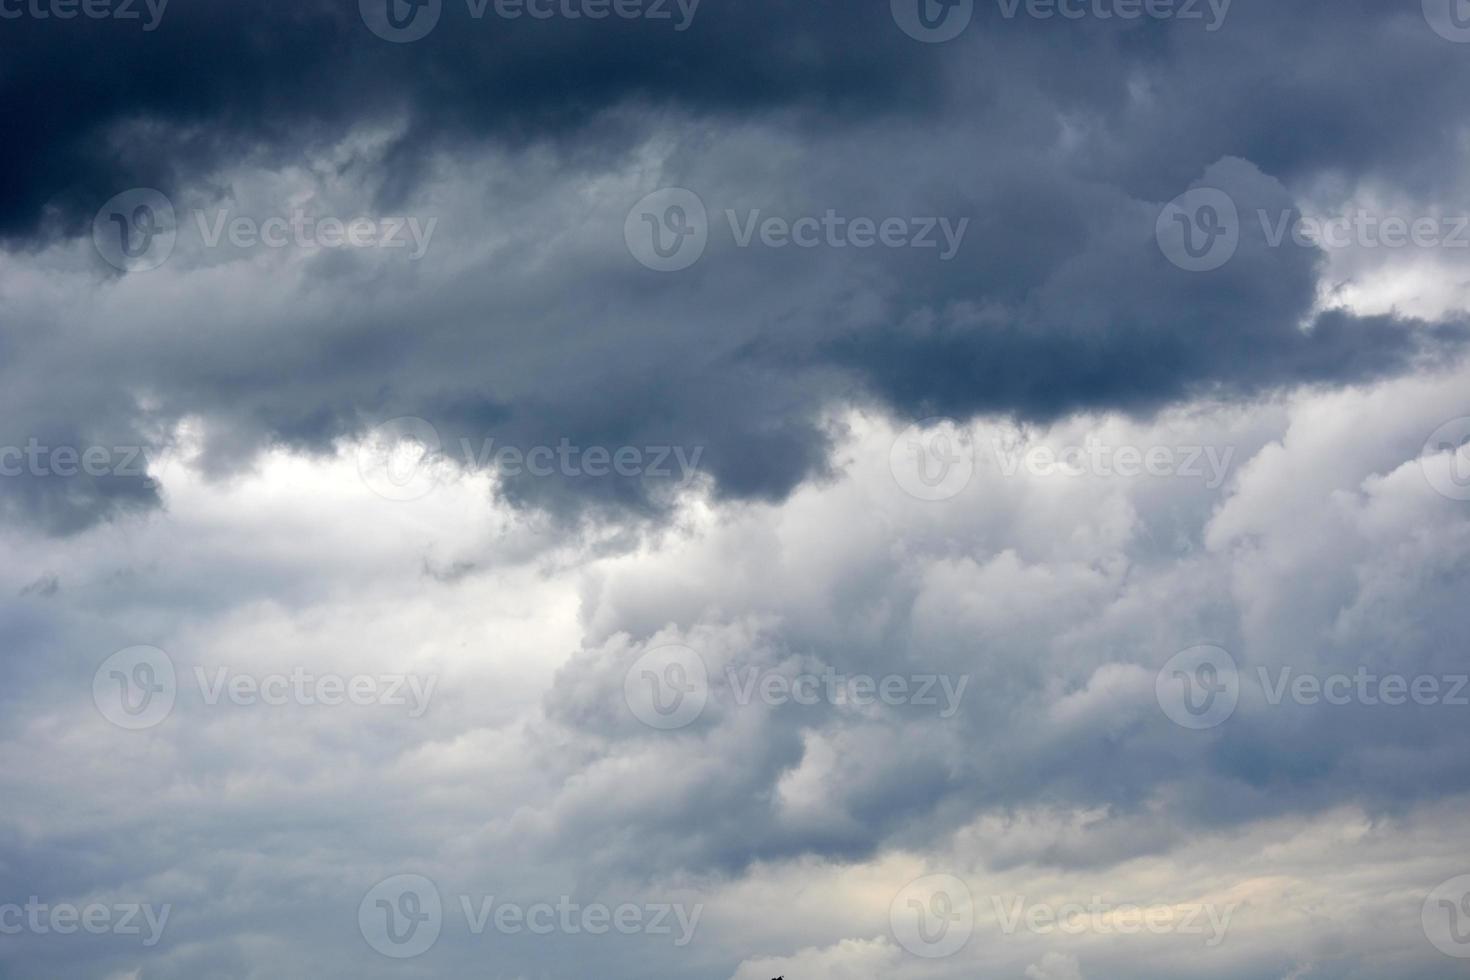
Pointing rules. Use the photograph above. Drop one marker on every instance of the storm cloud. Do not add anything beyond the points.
(819, 476)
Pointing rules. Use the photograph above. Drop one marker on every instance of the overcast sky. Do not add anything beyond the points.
(713, 490)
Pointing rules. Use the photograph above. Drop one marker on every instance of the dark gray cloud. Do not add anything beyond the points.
(1057, 140)
(99, 106)
(606, 458)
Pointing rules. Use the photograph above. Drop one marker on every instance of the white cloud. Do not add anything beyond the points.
(1057, 781)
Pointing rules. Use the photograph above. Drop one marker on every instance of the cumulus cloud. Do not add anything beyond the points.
(1031, 605)
(1058, 779)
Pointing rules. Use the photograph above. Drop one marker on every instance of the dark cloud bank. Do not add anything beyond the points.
(1058, 140)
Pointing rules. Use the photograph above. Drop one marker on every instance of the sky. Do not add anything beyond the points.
(697, 490)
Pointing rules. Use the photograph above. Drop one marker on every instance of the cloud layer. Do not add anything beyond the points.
(737, 494)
